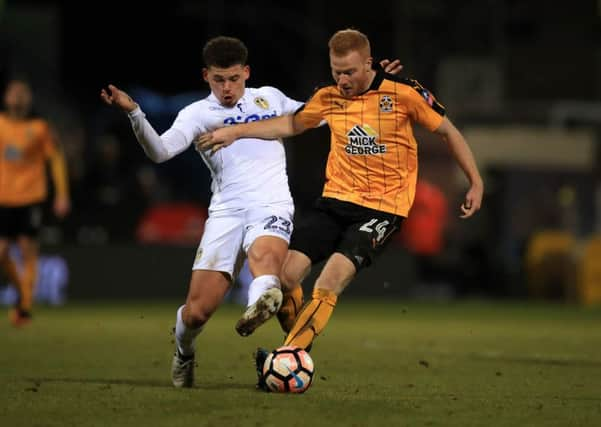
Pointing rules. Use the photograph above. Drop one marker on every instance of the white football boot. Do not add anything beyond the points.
(182, 370)
(260, 312)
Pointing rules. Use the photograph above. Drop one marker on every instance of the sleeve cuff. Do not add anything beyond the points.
(136, 113)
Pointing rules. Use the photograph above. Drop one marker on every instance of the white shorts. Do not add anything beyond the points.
(229, 233)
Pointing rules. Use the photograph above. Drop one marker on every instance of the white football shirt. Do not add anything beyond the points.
(250, 171)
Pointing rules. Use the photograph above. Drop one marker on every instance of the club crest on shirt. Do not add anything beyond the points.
(261, 102)
(198, 255)
(386, 104)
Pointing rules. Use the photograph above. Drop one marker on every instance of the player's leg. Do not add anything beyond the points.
(11, 224)
(206, 292)
(7, 265)
(28, 247)
(314, 238)
(265, 258)
(268, 230)
(366, 232)
(296, 267)
(314, 315)
(27, 221)
(212, 274)
(10, 272)
(335, 276)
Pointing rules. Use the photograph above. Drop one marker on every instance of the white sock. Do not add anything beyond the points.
(260, 285)
(184, 336)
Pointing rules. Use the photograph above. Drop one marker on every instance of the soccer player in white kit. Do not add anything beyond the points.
(251, 208)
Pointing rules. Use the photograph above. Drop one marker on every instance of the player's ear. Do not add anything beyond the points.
(369, 62)
(246, 70)
(205, 74)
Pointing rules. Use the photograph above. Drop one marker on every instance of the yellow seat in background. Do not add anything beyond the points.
(550, 264)
(589, 284)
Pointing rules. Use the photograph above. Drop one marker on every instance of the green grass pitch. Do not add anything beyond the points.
(379, 363)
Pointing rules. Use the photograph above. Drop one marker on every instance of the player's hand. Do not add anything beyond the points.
(61, 207)
(116, 97)
(473, 201)
(391, 67)
(215, 140)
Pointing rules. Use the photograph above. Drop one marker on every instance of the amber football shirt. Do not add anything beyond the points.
(373, 153)
(25, 146)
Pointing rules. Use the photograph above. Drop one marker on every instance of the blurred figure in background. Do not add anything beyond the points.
(27, 143)
(175, 223)
(423, 232)
(112, 202)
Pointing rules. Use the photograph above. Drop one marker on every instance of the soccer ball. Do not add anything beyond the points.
(288, 370)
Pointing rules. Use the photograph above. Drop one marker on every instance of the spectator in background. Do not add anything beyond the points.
(115, 197)
(27, 143)
(423, 232)
(176, 223)
(107, 183)
(150, 187)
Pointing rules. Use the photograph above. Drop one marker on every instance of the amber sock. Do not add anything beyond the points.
(291, 306)
(312, 319)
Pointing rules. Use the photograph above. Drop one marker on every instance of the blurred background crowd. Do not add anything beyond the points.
(521, 79)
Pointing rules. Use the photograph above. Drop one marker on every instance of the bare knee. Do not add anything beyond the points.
(266, 255)
(288, 279)
(207, 290)
(296, 267)
(196, 314)
(266, 261)
(336, 274)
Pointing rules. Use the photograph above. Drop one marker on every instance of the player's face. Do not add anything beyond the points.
(227, 84)
(17, 98)
(352, 73)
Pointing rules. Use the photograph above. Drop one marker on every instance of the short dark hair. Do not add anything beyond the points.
(224, 52)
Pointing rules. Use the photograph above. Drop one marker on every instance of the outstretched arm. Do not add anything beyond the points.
(464, 157)
(157, 148)
(278, 127)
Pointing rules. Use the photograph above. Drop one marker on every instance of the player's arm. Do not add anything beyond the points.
(158, 148)
(270, 129)
(464, 157)
(58, 172)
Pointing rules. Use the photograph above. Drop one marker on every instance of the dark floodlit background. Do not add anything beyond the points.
(521, 79)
